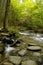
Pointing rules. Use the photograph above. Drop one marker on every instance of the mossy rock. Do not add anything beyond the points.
(34, 48)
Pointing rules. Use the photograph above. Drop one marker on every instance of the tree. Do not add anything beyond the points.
(6, 12)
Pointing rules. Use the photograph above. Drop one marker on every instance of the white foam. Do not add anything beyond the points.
(8, 48)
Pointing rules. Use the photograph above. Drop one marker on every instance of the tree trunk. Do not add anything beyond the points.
(6, 12)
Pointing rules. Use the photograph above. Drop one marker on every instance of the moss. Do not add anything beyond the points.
(13, 30)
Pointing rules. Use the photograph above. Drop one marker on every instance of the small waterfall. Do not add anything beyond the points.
(38, 37)
(8, 48)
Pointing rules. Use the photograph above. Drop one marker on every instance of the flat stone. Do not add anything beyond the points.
(34, 48)
(4, 34)
(36, 54)
(29, 62)
(22, 52)
(15, 59)
(32, 44)
(7, 63)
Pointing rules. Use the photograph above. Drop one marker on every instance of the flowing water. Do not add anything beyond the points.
(35, 36)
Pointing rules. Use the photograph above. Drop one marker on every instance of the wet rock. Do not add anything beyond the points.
(12, 35)
(31, 44)
(15, 59)
(14, 52)
(29, 62)
(7, 40)
(4, 34)
(34, 48)
(7, 63)
(22, 52)
(40, 61)
(17, 43)
(36, 54)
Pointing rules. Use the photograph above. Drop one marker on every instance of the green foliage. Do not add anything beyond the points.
(27, 14)
(13, 30)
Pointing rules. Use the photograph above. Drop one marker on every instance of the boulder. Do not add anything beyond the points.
(4, 34)
(32, 44)
(36, 54)
(34, 48)
(29, 62)
(15, 59)
(22, 52)
(7, 63)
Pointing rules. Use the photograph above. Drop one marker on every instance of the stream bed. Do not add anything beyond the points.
(28, 50)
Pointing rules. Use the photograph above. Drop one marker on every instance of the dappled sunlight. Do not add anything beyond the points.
(21, 1)
(34, 1)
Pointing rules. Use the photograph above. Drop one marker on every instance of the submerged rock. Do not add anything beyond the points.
(15, 59)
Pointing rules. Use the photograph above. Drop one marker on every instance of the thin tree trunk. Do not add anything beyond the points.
(6, 12)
